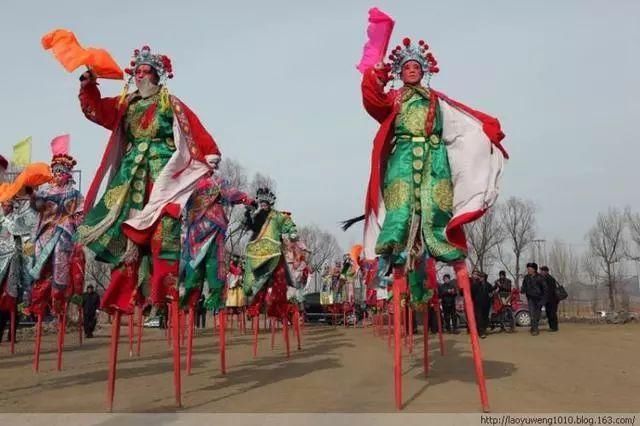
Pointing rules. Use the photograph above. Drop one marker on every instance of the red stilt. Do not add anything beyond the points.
(463, 280)
(177, 379)
(12, 331)
(131, 335)
(190, 341)
(256, 325)
(223, 341)
(62, 326)
(113, 359)
(439, 319)
(285, 331)
(273, 333)
(140, 328)
(265, 320)
(425, 342)
(410, 330)
(296, 327)
(183, 328)
(169, 323)
(398, 285)
(80, 324)
(36, 357)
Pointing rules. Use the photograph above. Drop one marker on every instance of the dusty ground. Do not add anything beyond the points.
(590, 368)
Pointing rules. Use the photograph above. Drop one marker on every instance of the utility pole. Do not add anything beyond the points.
(538, 251)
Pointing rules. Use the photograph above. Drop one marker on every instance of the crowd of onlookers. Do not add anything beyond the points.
(491, 300)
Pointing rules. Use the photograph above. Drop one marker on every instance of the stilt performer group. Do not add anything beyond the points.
(161, 220)
(435, 166)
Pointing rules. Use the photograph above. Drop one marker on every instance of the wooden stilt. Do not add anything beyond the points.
(113, 359)
(177, 374)
(463, 281)
(36, 357)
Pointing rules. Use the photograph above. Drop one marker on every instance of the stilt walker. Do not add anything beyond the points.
(266, 275)
(203, 251)
(17, 224)
(414, 209)
(59, 208)
(157, 152)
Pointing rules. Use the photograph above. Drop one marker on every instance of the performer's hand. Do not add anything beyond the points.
(382, 71)
(213, 161)
(87, 77)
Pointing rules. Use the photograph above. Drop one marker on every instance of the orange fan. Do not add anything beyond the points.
(67, 50)
(354, 254)
(33, 175)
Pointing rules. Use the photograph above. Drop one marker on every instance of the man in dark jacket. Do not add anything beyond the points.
(448, 292)
(534, 288)
(90, 304)
(481, 293)
(551, 300)
(503, 284)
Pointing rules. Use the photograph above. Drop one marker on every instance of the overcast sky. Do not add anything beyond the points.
(275, 83)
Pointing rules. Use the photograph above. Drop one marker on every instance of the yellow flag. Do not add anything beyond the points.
(22, 153)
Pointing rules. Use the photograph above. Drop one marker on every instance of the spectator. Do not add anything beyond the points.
(551, 300)
(90, 304)
(201, 313)
(503, 284)
(534, 288)
(481, 292)
(448, 292)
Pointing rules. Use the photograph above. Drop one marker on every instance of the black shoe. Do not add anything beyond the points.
(456, 332)
(483, 336)
(553, 330)
(535, 332)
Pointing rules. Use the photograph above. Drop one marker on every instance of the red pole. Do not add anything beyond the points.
(183, 327)
(36, 358)
(169, 323)
(12, 331)
(62, 325)
(296, 326)
(223, 341)
(140, 328)
(256, 325)
(398, 285)
(463, 280)
(177, 380)
(130, 335)
(285, 331)
(410, 330)
(190, 341)
(113, 359)
(425, 342)
(80, 324)
(439, 319)
(273, 333)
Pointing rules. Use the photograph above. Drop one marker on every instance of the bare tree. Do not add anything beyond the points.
(608, 247)
(236, 175)
(591, 271)
(517, 217)
(323, 247)
(633, 224)
(484, 236)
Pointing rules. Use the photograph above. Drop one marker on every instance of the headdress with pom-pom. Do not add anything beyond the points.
(160, 63)
(400, 55)
(62, 163)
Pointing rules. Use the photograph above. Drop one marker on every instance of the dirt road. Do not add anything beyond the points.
(591, 368)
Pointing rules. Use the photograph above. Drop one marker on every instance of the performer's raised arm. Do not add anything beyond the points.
(102, 111)
(377, 102)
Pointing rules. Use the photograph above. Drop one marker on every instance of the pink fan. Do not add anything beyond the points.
(379, 32)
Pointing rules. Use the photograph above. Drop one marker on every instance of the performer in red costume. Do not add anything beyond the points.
(157, 152)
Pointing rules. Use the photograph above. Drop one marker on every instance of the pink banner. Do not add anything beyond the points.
(60, 145)
(379, 32)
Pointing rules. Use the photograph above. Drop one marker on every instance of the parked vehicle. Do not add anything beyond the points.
(314, 311)
(517, 308)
